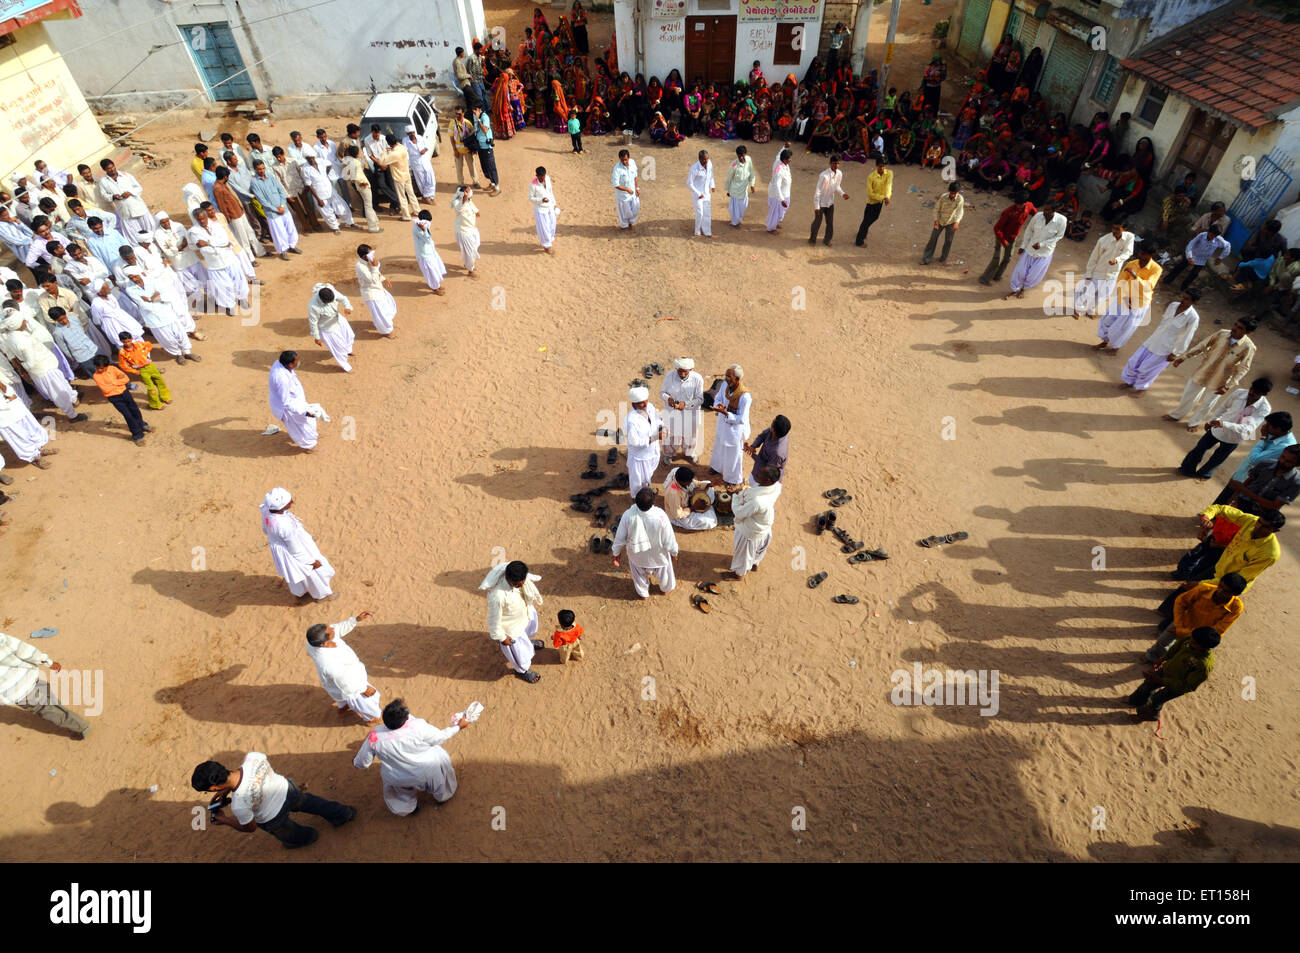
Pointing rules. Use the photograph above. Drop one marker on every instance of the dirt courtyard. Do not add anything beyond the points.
(681, 736)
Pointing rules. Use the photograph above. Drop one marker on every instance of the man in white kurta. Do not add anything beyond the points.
(421, 156)
(1038, 241)
(294, 553)
(683, 395)
(19, 342)
(778, 191)
(427, 258)
(627, 197)
(328, 325)
(18, 428)
(289, 402)
(330, 206)
(340, 671)
(173, 244)
(159, 316)
(741, 181)
(411, 758)
(1093, 293)
(754, 511)
(731, 404)
(227, 285)
(513, 598)
(123, 192)
(647, 534)
(379, 301)
(699, 179)
(542, 195)
(644, 430)
(107, 312)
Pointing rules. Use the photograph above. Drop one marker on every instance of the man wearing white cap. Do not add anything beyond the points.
(341, 673)
(646, 533)
(644, 430)
(26, 438)
(512, 615)
(173, 243)
(163, 277)
(732, 407)
(330, 206)
(227, 284)
(682, 393)
(158, 315)
(295, 554)
(22, 346)
(754, 511)
(327, 324)
(289, 402)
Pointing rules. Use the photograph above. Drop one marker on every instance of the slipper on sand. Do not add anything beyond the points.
(929, 542)
(710, 587)
(817, 580)
(846, 600)
(595, 544)
(701, 603)
(841, 500)
(860, 558)
(831, 494)
(582, 506)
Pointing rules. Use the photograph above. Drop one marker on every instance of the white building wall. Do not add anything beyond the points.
(292, 48)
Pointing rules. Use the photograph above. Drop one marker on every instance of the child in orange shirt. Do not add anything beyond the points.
(133, 357)
(566, 637)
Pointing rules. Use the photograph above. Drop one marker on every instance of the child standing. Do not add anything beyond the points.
(575, 132)
(566, 637)
(133, 357)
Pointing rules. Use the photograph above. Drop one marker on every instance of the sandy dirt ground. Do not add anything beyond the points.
(468, 434)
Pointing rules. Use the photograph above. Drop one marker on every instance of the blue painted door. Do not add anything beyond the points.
(213, 47)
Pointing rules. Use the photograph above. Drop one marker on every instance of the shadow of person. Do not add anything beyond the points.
(1054, 475)
(214, 436)
(217, 697)
(1037, 419)
(1040, 388)
(1208, 835)
(309, 361)
(532, 473)
(218, 592)
(1099, 521)
(30, 721)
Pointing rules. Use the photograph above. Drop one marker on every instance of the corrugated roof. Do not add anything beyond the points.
(1238, 63)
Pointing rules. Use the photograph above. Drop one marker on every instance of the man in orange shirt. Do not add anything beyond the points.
(1206, 604)
(113, 384)
(133, 357)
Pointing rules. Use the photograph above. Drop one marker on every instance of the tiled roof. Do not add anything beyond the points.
(1239, 64)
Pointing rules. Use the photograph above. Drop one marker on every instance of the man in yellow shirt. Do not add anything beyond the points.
(196, 164)
(1205, 604)
(880, 189)
(1252, 549)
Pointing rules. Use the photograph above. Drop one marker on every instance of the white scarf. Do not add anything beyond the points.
(498, 572)
(638, 538)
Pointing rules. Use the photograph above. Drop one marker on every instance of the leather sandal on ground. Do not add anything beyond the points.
(846, 600)
(701, 603)
(817, 580)
(710, 587)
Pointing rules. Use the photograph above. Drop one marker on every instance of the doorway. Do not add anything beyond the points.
(711, 49)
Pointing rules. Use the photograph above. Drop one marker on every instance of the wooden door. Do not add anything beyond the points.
(1206, 141)
(710, 49)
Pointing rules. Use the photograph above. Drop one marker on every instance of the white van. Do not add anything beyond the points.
(393, 112)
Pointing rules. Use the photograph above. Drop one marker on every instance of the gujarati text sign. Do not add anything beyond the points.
(786, 11)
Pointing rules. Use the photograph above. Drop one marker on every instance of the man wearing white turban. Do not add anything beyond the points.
(159, 316)
(682, 393)
(20, 344)
(732, 407)
(647, 534)
(644, 430)
(512, 615)
(295, 554)
(26, 438)
(173, 244)
(289, 402)
(754, 512)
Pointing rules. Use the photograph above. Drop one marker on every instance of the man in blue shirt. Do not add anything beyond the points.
(486, 159)
(1274, 436)
(270, 193)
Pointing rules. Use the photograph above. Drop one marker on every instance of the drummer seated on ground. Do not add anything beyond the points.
(689, 504)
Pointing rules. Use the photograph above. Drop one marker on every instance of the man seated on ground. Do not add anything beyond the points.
(688, 506)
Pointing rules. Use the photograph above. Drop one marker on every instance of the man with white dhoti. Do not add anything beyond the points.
(1094, 292)
(426, 253)
(375, 291)
(683, 394)
(742, 180)
(512, 615)
(123, 192)
(627, 197)
(341, 673)
(411, 758)
(275, 206)
(328, 325)
(699, 179)
(421, 163)
(297, 558)
(164, 279)
(17, 237)
(731, 404)
(107, 312)
(329, 204)
(18, 428)
(289, 402)
(647, 534)
(20, 342)
(227, 285)
(643, 430)
(465, 226)
(173, 243)
(754, 511)
(678, 491)
(542, 195)
(1171, 337)
(1130, 307)
(1038, 243)
(159, 317)
(778, 191)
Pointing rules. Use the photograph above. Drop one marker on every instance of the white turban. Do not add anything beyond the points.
(684, 364)
(13, 320)
(638, 394)
(133, 270)
(277, 499)
(161, 216)
(739, 371)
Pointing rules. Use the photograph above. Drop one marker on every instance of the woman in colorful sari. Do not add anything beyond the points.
(763, 126)
(638, 108)
(692, 106)
(853, 151)
(597, 117)
(565, 33)
(560, 110)
(503, 114)
(997, 74)
(1125, 193)
(540, 25)
(658, 127)
(580, 27)
(745, 114)
(904, 147)
(674, 90)
(932, 80)
(822, 138)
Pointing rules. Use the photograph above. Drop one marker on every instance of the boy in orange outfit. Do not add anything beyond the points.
(134, 359)
(566, 637)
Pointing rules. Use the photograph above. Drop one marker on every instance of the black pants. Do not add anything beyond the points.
(126, 405)
(928, 254)
(488, 163)
(576, 138)
(827, 213)
(1152, 696)
(1224, 496)
(869, 216)
(1175, 271)
(1221, 452)
(292, 834)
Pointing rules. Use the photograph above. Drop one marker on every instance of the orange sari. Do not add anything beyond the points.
(561, 104)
